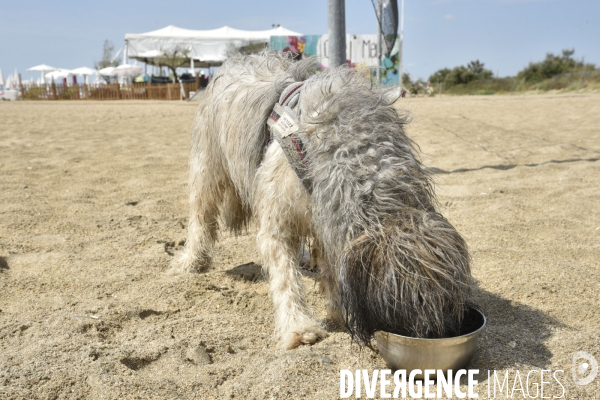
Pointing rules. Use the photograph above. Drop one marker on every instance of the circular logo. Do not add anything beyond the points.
(585, 368)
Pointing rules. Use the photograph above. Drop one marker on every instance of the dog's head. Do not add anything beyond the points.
(409, 276)
(402, 267)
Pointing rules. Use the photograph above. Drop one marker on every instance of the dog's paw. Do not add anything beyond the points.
(308, 334)
(184, 264)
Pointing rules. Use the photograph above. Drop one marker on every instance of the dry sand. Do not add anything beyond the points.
(93, 205)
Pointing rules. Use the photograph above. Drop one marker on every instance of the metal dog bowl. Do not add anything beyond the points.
(403, 352)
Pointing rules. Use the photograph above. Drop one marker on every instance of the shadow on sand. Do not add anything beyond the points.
(505, 167)
(515, 335)
(253, 272)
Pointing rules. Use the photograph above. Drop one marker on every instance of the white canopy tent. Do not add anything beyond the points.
(207, 48)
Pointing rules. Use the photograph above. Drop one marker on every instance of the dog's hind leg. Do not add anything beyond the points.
(207, 188)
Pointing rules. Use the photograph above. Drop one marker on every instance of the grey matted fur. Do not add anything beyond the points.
(388, 259)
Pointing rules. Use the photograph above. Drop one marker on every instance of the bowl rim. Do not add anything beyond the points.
(441, 340)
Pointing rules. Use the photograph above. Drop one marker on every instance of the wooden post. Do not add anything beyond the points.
(21, 87)
(197, 80)
(54, 96)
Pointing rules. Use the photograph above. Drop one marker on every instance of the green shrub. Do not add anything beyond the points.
(461, 75)
(553, 65)
(34, 93)
(562, 73)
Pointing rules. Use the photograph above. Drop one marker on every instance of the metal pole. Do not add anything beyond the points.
(379, 55)
(400, 54)
(337, 33)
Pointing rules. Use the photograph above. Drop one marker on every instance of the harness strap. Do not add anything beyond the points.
(283, 125)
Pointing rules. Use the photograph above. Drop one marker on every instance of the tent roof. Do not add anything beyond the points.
(224, 33)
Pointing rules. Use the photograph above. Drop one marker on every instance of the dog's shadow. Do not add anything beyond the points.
(253, 272)
(515, 334)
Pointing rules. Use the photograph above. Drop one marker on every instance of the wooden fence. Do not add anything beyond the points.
(113, 91)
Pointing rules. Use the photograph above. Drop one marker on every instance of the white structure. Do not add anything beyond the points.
(85, 72)
(207, 48)
(43, 68)
(59, 73)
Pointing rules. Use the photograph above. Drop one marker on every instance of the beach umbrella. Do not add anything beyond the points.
(16, 80)
(42, 68)
(9, 82)
(127, 70)
(1, 78)
(108, 71)
(58, 74)
(85, 71)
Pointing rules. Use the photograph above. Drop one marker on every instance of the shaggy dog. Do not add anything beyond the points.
(361, 199)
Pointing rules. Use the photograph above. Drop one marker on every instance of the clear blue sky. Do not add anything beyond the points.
(504, 34)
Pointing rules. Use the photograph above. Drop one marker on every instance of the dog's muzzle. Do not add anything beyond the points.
(283, 124)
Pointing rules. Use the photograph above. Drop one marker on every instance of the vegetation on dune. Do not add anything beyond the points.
(555, 72)
(552, 66)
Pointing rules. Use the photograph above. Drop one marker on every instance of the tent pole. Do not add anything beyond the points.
(379, 12)
(400, 52)
(337, 33)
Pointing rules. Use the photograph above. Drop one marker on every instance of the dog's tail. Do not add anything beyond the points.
(409, 276)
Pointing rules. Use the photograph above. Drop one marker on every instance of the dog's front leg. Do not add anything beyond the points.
(329, 284)
(294, 324)
(281, 206)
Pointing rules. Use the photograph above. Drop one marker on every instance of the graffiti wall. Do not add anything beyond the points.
(361, 52)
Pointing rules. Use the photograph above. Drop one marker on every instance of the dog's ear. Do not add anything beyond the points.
(392, 95)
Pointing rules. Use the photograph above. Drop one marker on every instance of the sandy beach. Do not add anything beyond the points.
(93, 205)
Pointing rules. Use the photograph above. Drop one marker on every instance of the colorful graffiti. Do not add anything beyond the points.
(360, 49)
(305, 46)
